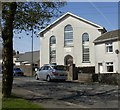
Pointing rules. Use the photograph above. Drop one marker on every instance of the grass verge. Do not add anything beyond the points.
(17, 103)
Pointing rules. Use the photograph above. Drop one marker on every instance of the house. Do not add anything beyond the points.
(107, 52)
(16, 59)
(26, 62)
(69, 40)
(26, 58)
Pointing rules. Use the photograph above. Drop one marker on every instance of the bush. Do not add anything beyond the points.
(95, 77)
(109, 78)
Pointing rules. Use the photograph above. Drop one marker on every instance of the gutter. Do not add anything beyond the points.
(105, 40)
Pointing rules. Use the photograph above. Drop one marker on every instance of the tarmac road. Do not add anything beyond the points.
(66, 94)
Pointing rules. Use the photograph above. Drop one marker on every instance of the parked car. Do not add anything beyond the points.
(17, 72)
(51, 72)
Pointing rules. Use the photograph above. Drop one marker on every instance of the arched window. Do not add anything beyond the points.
(52, 49)
(85, 37)
(68, 35)
(85, 45)
(52, 40)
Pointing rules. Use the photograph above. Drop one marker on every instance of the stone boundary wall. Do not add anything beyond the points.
(84, 77)
(27, 69)
(90, 69)
(107, 78)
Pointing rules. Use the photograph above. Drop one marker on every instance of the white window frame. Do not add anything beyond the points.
(85, 45)
(108, 47)
(108, 64)
(68, 40)
(52, 55)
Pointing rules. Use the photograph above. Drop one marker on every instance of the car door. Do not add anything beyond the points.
(40, 72)
(45, 72)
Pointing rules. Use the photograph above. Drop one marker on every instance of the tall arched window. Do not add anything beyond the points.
(52, 49)
(68, 35)
(85, 45)
(52, 40)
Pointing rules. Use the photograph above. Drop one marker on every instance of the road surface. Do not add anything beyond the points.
(67, 94)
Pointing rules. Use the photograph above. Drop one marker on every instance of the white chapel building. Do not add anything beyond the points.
(69, 39)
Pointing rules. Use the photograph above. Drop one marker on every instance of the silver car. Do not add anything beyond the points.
(51, 72)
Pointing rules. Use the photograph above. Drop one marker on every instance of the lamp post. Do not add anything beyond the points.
(32, 29)
(32, 52)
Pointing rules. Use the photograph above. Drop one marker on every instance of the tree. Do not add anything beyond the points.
(16, 17)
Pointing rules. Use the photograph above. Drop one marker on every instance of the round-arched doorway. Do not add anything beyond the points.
(68, 60)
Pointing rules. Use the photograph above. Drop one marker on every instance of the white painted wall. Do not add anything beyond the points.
(79, 27)
(101, 56)
(119, 57)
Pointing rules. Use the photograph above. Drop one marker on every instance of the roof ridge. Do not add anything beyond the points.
(111, 35)
(71, 14)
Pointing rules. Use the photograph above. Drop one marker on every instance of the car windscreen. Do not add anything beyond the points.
(62, 68)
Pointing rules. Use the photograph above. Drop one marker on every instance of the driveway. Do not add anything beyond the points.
(66, 94)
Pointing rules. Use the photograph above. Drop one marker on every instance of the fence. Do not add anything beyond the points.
(87, 74)
(27, 69)
(109, 78)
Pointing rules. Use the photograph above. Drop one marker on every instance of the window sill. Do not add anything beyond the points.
(68, 46)
(109, 52)
(110, 72)
(86, 62)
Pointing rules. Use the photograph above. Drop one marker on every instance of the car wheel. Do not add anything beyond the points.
(48, 78)
(36, 77)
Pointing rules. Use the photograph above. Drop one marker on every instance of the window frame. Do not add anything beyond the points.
(85, 46)
(52, 46)
(51, 38)
(109, 64)
(68, 36)
(108, 46)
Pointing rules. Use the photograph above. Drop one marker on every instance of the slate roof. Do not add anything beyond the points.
(27, 57)
(18, 55)
(112, 35)
(60, 19)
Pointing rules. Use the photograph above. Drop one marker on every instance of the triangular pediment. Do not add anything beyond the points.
(65, 16)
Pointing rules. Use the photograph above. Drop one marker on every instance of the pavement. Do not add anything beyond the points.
(29, 95)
